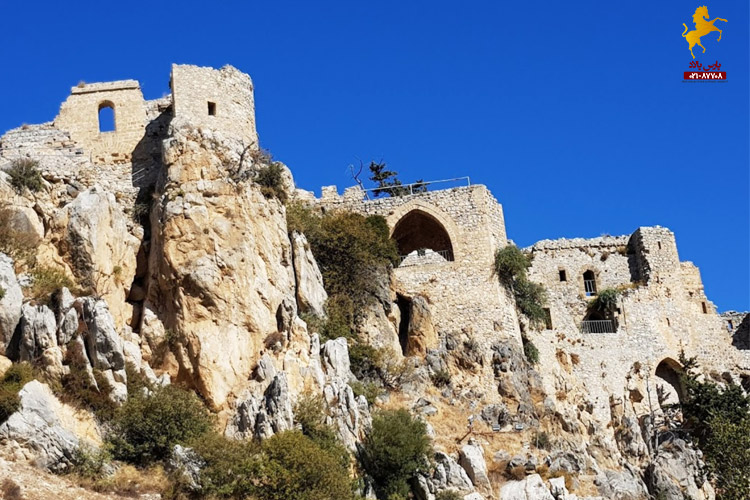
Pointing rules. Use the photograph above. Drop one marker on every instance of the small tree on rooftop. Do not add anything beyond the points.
(388, 183)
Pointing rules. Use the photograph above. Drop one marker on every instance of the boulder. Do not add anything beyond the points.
(25, 223)
(421, 331)
(449, 475)
(336, 358)
(38, 427)
(188, 464)
(38, 332)
(678, 472)
(531, 488)
(471, 458)
(311, 296)
(10, 303)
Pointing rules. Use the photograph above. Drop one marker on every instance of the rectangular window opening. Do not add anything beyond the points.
(547, 318)
(705, 309)
(563, 276)
(211, 108)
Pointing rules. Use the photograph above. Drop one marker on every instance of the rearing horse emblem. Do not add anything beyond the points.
(702, 27)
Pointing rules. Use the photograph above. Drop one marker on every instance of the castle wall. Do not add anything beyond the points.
(659, 312)
(79, 116)
(226, 92)
(464, 294)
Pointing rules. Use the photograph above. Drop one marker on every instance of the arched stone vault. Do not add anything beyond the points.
(445, 220)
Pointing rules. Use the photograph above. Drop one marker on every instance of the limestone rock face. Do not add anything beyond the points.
(103, 344)
(422, 335)
(531, 488)
(676, 473)
(39, 337)
(221, 262)
(10, 304)
(100, 247)
(37, 425)
(25, 221)
(449, 475)
(471, 458)
(311, 295)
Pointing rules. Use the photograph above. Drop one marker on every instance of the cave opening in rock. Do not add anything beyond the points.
(404, 307)
(420, 231)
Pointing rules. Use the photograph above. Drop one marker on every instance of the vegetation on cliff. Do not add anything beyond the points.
(718, 418)
(511, 265)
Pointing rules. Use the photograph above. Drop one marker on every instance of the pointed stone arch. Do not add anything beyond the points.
(668, 374)
(444, 231)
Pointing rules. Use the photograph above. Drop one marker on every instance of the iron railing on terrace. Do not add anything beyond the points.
(425, 256)
(418, 185)
(590, 287)
(598, 326)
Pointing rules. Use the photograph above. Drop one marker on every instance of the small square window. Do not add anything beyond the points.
(211, 108)
(563, 276)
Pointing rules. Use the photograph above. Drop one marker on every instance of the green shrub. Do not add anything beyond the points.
(719, 420)
(90, 463)
(441, 378)
(2, 293)
(24, 174)
(289, 465)
(309, 413)
(449, 495)
(510, 266)
(394, 450)
(13, 381)
(47, 280)
(271, 181)
(530, 351)
(606, 300)
(541, 440)
(147, 426)
(367, 389)
(530, 298)
(77, 388)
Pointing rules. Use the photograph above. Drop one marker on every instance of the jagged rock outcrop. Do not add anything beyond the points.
(221, 262)
(311, 296)
(100, 248)
(38, 339)
(531, 488)
(677, 472)
(421, 331)
(10, 303)
(37, 426)
(471, 458)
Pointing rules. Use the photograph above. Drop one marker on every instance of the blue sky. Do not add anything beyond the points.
(574, 114)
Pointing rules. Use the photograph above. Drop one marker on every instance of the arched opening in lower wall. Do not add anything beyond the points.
(668, 381)
(421, 238)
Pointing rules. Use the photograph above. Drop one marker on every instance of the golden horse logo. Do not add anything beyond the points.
(702, 27)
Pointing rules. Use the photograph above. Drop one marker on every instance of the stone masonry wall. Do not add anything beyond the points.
(659, 312)
(230, 92)
(79, 115)
(464, 294)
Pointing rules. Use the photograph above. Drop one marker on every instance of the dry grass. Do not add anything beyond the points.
(569, 479)
(561, 395)
(129, 481)
(518, 472)
(11, 490)
(575, 359)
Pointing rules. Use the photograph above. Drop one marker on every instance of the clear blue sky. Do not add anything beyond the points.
(573, 113)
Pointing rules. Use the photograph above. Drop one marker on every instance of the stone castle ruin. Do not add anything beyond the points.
(447, 241)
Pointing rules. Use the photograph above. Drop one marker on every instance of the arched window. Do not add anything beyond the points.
(107, 117)
(421, 239)
(589, 283)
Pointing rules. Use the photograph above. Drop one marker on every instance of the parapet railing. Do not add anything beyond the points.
(424, 256)
(419, 185)
(598, 326)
